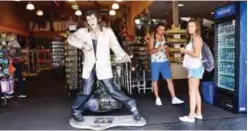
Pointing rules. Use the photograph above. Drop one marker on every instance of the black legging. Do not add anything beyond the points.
(20, 88)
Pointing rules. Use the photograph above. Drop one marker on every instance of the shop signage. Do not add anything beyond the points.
(72, 27)
(225, 11)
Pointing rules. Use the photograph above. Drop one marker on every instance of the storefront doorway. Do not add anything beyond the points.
(52, 69)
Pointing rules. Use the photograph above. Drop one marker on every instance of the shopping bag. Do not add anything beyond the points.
(4, 86)
(11, 86)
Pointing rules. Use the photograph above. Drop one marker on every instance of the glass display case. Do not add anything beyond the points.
(225, 35)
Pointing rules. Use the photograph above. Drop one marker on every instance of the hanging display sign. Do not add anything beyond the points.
(225, 11)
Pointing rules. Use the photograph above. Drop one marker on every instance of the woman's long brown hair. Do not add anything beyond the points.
(198, 27)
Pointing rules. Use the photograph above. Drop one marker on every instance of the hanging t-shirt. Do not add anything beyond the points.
(14, 44)
(14, 49)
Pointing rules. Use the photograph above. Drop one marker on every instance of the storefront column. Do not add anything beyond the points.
(178, 71)
(175, 12)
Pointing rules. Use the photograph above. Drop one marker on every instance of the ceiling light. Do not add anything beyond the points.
(212, 13)
(71, 0)
(180, 5)
(112, 12)
(115, 6)
(185, 18)
(137, 21)
(39, 13)
(30, 6)
(78, 13)
(119, 0)
(17, 0)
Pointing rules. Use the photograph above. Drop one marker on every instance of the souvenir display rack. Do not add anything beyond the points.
(3, 55)
(140, 72)
(30, 62)
(3, 64)
(73, 67)
(58, 54)
(137, 48)
(44, 59)
(176, 39)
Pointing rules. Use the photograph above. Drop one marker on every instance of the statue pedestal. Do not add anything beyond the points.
(105, 122)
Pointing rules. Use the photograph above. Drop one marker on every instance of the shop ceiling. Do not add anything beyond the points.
(158, 9)
(204, 9)
(63, 9)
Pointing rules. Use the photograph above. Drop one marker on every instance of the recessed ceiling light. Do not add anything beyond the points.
(137, 21)
(30, 6)
(39, 13)
(115, 6)
(78, 13)
(112, 12)
(212, 13)
(17, 0)
(180, 5)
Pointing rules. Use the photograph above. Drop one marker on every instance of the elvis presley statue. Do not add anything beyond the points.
(96, 42)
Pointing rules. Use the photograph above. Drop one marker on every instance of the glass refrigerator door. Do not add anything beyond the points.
(225, 34)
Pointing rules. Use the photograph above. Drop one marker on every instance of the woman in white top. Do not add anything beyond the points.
(192, 61)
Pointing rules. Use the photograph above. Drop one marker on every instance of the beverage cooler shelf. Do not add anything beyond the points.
(225, 87)
(226, 82)
(226, 74)
(226, 61)
(224, 34)
(227, 47)
(227, 71)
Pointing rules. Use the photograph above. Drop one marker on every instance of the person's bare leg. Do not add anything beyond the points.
(171, 88)
(155, 88)
(192, 102)
(156, 93)
(198, 99)
(193, 83)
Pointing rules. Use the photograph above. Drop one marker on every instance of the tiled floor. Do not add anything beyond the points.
(48, 108)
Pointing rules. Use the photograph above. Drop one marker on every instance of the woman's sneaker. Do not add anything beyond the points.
(198, 117)
(187, 119)
(176, 100)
